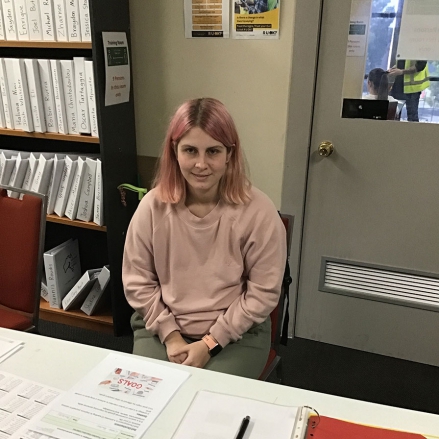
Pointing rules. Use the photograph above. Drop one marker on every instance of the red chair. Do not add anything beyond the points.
(22, 230)
(274, 362)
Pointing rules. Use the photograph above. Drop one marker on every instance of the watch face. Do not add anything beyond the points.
(216, 350)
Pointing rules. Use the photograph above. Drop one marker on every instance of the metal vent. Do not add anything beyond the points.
(413, 289)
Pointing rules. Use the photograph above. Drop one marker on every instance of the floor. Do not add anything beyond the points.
(319, 367)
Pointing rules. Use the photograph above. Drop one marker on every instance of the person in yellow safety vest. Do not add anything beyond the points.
(411, 78)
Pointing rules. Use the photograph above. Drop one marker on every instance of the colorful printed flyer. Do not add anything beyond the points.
(206, 18)
(256, 19)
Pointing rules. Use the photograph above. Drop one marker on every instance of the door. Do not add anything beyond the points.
(369, 265)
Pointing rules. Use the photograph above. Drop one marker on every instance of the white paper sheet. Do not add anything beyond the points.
(8, 347)
(120, 397)
(21, 401)
(218, 416)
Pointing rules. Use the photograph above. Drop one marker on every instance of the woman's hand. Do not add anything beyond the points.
(175, 342)
(197, 354)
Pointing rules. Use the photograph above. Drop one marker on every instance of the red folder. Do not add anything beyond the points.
(330, 428)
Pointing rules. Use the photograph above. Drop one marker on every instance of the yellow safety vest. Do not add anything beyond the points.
(415, 82)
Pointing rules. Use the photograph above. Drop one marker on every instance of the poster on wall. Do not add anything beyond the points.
(117, 68)
(419, 34)
(256, 19)
(206, 18)
(357, 38)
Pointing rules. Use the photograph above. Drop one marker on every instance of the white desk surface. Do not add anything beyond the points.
(60, 364)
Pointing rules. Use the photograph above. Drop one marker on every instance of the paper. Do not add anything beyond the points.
(358, 29)
(21, 401)
(257, 20)
(8, 347)
(419, 34)
(215, 415)
(120, 397)
(206, 18)
(117, 68)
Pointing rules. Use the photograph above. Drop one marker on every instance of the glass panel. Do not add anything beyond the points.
(378, 83)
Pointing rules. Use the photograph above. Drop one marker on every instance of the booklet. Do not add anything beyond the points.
(119, 398)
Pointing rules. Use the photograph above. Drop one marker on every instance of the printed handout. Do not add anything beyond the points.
(21, 401)
(120, 397)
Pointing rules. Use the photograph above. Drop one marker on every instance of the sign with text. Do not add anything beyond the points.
(117, 68)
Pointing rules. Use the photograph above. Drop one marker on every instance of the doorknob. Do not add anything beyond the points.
(326, 148)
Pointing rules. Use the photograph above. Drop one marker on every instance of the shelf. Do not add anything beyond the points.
(46, 44)
(102, 322)
(50, 136)
(75, 223)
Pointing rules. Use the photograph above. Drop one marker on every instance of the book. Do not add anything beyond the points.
(47, 20)
(21, 20)
(59, 12)
(2, 113)
(44, 289)
(42, 175)
(91, 96)
(14, 98)
(7, 164)
(95, 297)
(9, 20)
(30, 172)
(65, 185)
(6, 100)
(81, 95)
(73, 200)
(68, 81)
(2, 24)
(63, 270)
(86, 198)
(98, 212)
(35, 95)
(80, 290)
(18, 174)
(84, 18)
(323, 427)
(48, 95)
(73, 20)
(34, 20)
(55, 179)
(27, 123)
(58, 94)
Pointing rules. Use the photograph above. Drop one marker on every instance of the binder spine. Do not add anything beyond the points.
(300, 426)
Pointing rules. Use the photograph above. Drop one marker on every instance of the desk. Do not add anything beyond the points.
(60, 364)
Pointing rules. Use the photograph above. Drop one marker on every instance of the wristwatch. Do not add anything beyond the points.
(214, 347)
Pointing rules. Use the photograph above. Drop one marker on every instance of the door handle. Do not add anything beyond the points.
(326, 148)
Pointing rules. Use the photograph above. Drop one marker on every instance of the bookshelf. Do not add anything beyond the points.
(116, 147)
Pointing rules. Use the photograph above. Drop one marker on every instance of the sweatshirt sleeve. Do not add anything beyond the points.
(141, 284)
(264, 253)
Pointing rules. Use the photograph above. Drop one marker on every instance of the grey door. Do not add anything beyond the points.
(370, 250)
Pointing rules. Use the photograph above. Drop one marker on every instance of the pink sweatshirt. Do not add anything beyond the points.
(219, 274)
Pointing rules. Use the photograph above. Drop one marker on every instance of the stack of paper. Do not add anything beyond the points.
(8, 347)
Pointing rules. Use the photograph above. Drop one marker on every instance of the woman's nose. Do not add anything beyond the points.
(201, 161)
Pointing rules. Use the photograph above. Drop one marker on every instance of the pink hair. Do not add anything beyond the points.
(213, 118)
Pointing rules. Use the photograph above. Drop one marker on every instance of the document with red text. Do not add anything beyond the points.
(120, 397)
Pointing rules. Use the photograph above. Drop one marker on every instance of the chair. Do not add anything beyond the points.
(279, 316)
(22, 231)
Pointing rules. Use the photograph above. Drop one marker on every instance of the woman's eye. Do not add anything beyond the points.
(190, 150)
(213, 151)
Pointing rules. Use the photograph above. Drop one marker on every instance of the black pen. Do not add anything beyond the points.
(243, 427)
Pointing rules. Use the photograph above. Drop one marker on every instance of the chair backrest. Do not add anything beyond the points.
(391, 112)
(22, 232)
(277, 314)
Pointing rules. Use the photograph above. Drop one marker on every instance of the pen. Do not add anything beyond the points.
(243, 428)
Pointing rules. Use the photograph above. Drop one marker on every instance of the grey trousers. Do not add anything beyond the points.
(246, 357)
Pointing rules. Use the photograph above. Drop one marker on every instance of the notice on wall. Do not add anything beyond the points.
(206, 18)
(357, 39)
(256, 19)
(419, 34)
(117, 68)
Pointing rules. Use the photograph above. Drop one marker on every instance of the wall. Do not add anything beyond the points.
(251, 77)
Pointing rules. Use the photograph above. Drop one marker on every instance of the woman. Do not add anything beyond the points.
(378, 85)
(205, 251)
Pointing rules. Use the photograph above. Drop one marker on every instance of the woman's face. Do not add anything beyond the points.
(203, 161)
